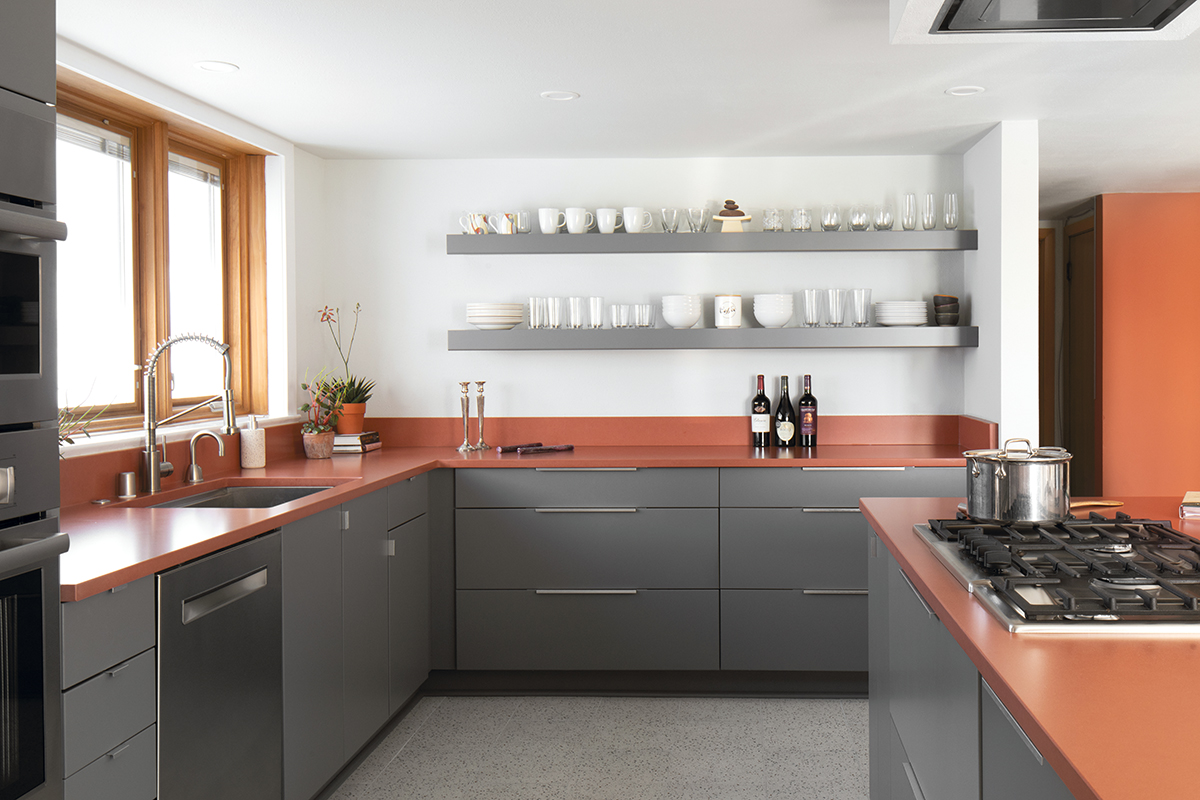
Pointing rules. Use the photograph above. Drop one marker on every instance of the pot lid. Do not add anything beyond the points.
(1013, 453)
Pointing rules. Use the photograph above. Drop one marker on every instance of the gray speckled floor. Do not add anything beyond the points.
(613, 748)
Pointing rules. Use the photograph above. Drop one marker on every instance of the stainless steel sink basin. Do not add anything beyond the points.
(243, 497)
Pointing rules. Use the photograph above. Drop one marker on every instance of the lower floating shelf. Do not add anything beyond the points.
(713, 338)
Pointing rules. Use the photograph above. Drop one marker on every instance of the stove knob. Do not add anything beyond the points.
(997, 558)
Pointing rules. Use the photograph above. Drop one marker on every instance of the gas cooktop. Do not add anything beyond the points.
(1080, 576)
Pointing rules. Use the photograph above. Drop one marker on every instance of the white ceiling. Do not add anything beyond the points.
(660, 78)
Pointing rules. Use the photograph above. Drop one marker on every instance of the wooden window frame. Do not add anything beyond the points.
(154, 133)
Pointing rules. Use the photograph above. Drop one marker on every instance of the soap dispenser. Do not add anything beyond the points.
(254, 445)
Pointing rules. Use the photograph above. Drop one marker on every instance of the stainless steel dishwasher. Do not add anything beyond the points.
(220, 687)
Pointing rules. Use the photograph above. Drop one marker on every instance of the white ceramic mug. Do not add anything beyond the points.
(474, 223)
(636, 219)
(727, 308)
(579, 220)
(503, 223)
(551, 219)
(607, 219)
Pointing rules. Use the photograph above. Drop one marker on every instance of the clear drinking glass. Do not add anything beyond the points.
(622, 316)
(813, 306)
(524, 225)
(884, 218)
(772, 220)
(537, 312)
(929, 212)
(670, 220)
(950, 210)
(860, 307)
(835, 307)
(801, 219)
(595, 312)
(908, 216)
(831, 217)
(576, 311)
(697, 219)
(643, 315)
(860, 218)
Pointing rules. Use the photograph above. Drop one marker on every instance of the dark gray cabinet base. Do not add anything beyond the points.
(765, 629)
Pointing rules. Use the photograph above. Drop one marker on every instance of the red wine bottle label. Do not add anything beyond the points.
(760, 423)
(785, 431)
(808, 422)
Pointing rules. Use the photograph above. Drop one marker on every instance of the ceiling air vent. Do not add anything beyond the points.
(1040, 16)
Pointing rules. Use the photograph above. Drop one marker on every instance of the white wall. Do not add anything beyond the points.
(1000, 176)
(382, 242)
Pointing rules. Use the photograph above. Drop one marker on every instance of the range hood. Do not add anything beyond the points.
(1026, 16)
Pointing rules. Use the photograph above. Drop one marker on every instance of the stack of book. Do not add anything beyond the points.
(363, 442)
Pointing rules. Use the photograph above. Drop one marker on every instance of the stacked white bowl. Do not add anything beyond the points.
(681, 310)
(495, 316)
(773, 310)
(901, 312)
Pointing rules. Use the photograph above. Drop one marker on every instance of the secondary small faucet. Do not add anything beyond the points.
(154, 464)
(194, 473)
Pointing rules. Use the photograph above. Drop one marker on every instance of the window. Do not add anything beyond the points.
(166, 235)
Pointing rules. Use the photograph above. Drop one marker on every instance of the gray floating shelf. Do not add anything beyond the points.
(749, 242)
(712, 338)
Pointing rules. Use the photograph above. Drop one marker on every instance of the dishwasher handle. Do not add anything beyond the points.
(203, 604)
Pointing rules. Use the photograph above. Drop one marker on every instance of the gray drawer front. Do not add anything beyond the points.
(656, 548)
(107, 629)
(528, 488)
(766, 487)
(791, 630)
(790, 548)
(407, 500)
(127, 772)
(648, 630)
(100, 713)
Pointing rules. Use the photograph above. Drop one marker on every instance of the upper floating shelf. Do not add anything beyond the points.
(750, 242)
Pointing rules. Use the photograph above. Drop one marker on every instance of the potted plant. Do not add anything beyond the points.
(324, 408)
(355, 391)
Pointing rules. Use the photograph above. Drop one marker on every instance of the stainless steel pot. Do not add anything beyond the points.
(1018, 485)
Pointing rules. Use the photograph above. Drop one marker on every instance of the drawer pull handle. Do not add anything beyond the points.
(912, 782)
(853, 469)
(1016, 725)
(204, 604)
(118, 751)
(585, 510)
(839, 510)
(117, 669)
(585, 591)
(837, 592)
(586, 469)
(928, 609)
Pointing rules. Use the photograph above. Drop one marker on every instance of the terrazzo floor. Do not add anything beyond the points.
(614, 748)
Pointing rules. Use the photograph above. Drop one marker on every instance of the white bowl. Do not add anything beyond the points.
(772, 317)
(681, 318)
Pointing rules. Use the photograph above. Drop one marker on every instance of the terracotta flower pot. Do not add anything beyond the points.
(351, 420)
(318, 445)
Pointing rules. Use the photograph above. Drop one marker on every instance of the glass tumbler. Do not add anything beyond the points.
(908, 215)
(670, 220)
(595, 312)
(524, 224)
(950, 210)
(884, 218)
(929, 212)
(643, 315)
(553, 312)
(697, 219)
(813, 305)
(860, 307)
(537, 313)
(835, 307)
(860, 218)
(831, 217)
(576, 311)
(801, 219)
(772, 220)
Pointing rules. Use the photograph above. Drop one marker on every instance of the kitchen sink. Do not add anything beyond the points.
(243, 497)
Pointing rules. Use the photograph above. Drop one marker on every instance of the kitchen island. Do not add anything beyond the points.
(1072, 694)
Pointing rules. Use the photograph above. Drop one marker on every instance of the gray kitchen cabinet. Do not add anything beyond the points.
(27, 49)
(126, 772)
(313, 729)
(794, 629)
(834, 487)
(106, 629)
(586, 488)
(792, 548)
(365, 617)
(409, 654)
(884, 743)
(1011, 765)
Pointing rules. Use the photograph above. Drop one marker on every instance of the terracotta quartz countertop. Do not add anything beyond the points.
(1074, 694)
(120, 542)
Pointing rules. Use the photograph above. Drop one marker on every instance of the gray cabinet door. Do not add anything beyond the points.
(27, 49)
(654, 548)
(664, 629)
(934, 697)
(127, 772)
(106, 629)
(313, 739)
(792, 548)
(1012, 766)
(365, 617)
(589, 488)
(408, 607)
(767, 487)
(408, 499)
(789, 629)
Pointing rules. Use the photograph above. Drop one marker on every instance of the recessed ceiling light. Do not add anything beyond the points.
(216, 66)
(964, 91)
(560, 95)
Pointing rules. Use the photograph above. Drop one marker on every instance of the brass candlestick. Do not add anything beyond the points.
(465, 400)
(480, 445)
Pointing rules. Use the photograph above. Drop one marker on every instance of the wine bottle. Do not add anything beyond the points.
(806, 409)
(760, 416)
(785, 417)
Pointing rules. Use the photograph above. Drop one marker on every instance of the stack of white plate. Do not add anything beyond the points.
(901, 312)
(495, 316)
